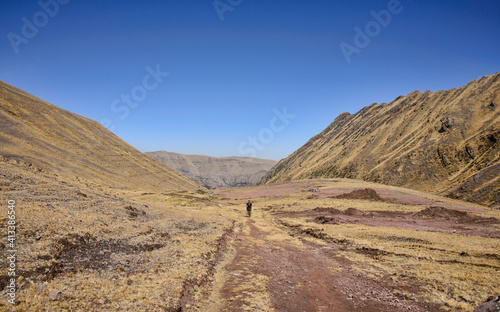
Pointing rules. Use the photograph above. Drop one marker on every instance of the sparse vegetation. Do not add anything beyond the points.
(182, 250)
(136, 252)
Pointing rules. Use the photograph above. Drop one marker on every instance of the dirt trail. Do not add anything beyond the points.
(273, 271)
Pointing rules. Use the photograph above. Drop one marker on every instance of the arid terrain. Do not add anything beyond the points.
(444, 142)
(100, 226)
(308, 246)
(216, 172)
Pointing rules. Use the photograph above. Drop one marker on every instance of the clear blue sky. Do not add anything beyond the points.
(221, 73)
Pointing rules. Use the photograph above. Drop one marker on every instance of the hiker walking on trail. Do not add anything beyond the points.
(249, 208)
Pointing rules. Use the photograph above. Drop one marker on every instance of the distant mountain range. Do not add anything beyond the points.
(444, 142)
(216, 172)
(62, 144)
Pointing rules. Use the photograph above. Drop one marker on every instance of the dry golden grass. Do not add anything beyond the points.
(458, 271)
(76, 149)
(144, 280)
(455, 270)
(127, 253)
(135, 251)
(440, 142)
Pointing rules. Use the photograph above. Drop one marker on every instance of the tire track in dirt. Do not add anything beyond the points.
(273, 274)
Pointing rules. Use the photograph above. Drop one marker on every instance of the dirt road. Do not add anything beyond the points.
(275, 271)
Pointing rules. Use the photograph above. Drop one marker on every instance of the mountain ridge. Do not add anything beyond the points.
(445, 142)
(216, 172)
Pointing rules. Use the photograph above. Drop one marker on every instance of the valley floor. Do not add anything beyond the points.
(272, 273)
(309, 246)
(406, 251)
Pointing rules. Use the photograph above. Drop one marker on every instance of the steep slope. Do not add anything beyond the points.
(444, 142)
(75, 148)
(215, 172)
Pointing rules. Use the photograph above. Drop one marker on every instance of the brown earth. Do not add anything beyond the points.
(281, 265)
(312, 278)
(367, 193)
(189, 251)
(433, 218)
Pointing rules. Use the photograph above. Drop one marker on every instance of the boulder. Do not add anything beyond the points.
(492, 304)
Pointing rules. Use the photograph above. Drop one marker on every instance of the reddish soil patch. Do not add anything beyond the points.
(300, 280)
(327, 189)
(354, 212)
(367, 193)
(435, 218)
(441, 212)
(405, 198)
(274, 190)
(327, 210)
(393, 196)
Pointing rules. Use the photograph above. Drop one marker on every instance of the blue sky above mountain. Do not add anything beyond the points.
(235, 77)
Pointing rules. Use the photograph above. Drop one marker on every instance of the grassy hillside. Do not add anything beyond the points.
(73, 148)
(444, 142)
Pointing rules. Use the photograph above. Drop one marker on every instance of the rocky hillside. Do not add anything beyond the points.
(216, 172)
(444, 142)
(56, 142)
